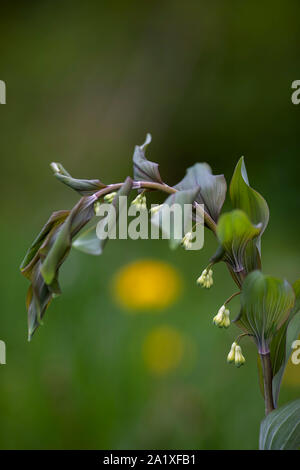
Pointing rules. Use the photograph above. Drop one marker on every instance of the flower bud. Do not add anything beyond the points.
(97, 207)
(109, 197)
(187, 240)
(218, 320)
(55, 167)
(206, 279)
(140, 202)
(231, 355)
(226, 321)
(239, 359)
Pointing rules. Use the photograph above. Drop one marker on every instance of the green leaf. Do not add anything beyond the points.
(246, 198)
(56, 219)
(280, 430)
(88, 242)
(40, 294)
(234, 232)
(49, 250)
(82, 186)
(38, 298)
(212, 188)
(296, 287)
(266, 302)
(143, 169)
(250, 201)
(79, 216)
(177, 226)
(281, 345)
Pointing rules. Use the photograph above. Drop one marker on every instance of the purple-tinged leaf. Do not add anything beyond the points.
(212, 188)
(143, 169)
(82, 186)
(177, 225)
(40, 294)
(79, 216)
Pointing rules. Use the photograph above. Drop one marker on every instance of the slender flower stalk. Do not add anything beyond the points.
(153, 186)
(231, 297)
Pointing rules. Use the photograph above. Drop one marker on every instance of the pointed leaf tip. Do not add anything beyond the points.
(84, 187)
(143, 169)
(246, 198)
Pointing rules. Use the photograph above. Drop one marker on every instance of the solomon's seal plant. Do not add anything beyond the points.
(269, 307)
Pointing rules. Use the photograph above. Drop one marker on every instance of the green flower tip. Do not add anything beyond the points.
(109, 197)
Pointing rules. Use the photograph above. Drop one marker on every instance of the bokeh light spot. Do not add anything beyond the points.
(147, 285)
(163, 350)
(292, 375)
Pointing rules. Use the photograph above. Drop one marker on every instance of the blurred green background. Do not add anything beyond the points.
(85, 81)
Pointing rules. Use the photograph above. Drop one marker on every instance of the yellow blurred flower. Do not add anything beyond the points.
(163, 350)
(147, 285)
(292, 375)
